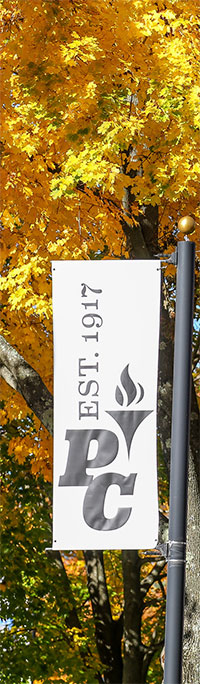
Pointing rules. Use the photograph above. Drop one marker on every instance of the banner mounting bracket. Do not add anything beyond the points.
(168, 258)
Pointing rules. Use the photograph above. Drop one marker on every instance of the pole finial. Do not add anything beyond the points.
(186, 225)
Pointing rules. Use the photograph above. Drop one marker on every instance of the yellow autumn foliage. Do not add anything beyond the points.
(96, 98)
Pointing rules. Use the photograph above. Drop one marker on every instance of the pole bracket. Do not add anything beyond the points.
(169, 258)
(160, 551)
(163, 550)
(177, 551)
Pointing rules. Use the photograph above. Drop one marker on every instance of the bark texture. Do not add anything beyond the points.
(108, 631)
(191, 651)
(133, 605)
(23, 378)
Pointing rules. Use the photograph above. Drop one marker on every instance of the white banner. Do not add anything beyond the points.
(106, 335)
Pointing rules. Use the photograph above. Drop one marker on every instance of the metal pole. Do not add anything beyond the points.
(179, 463)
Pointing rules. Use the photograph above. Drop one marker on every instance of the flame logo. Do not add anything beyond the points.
(132, 392)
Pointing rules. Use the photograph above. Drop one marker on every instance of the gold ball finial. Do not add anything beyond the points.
(186, 225)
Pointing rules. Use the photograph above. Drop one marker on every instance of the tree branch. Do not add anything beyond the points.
(23, 378)
(152, 577)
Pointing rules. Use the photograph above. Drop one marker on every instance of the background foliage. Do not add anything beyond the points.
(100, 157)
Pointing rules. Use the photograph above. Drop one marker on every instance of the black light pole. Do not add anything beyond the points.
(179, 457)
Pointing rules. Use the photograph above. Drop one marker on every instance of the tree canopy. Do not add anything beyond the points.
(100, 158)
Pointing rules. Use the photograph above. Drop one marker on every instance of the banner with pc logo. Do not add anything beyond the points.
(106, 336)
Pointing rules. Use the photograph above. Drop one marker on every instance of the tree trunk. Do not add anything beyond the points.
(191, 651)
(22, 377)
(133, 656)
(108, 631)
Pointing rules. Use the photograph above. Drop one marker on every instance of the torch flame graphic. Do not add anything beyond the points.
(133, 394)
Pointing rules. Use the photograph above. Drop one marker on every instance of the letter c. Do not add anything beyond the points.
(93, 505)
